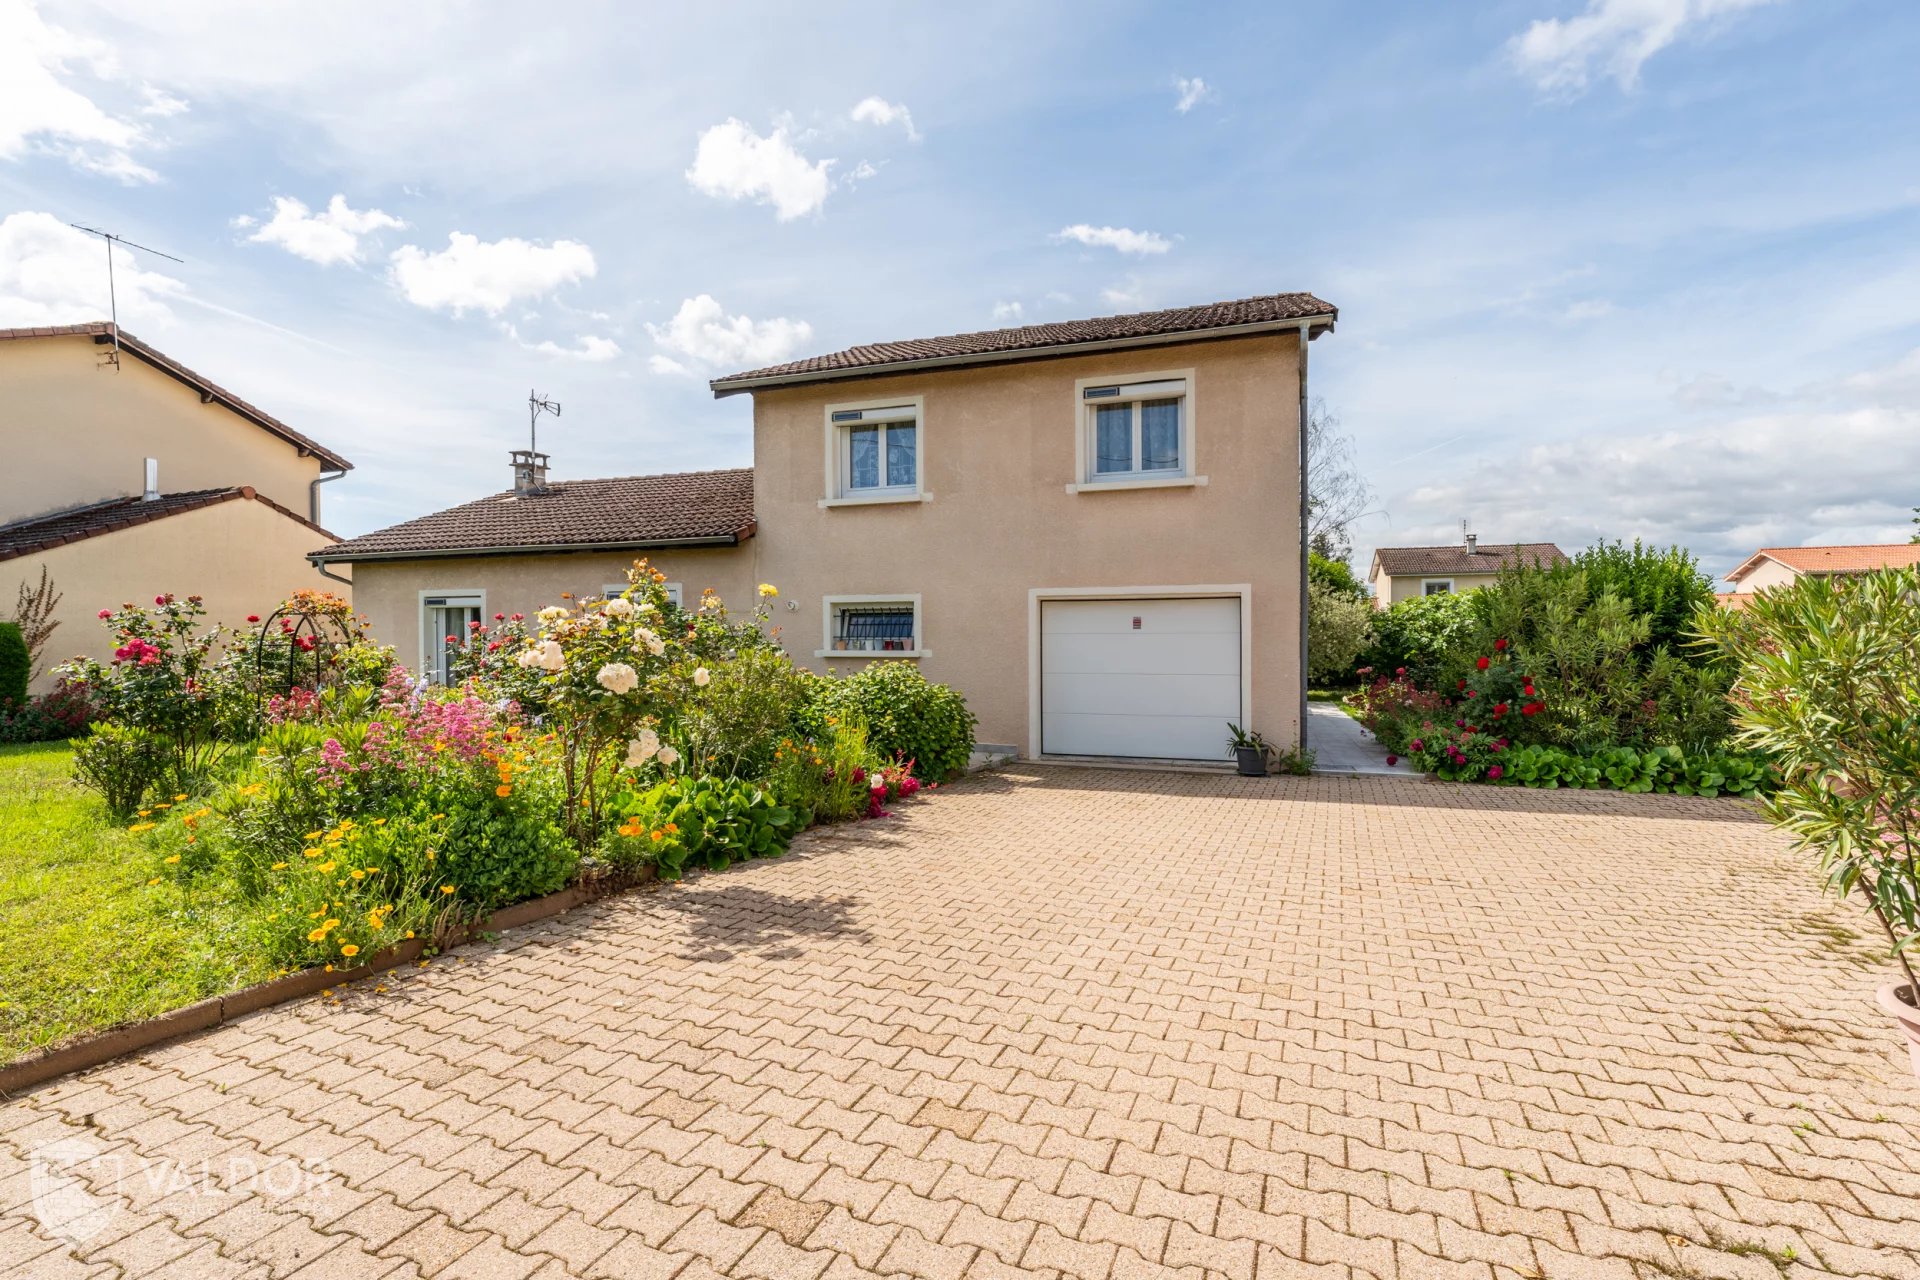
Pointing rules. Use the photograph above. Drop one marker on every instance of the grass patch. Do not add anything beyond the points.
(86, 942)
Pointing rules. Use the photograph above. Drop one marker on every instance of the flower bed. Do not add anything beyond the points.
(342, 807)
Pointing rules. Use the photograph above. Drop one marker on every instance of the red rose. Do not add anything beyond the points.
(1483, 663)
(1463, 684)
(1392, 760)
(106, 613)
(1499, 646)
(1399, 671)
(1531, 709)
(1415, 745)
(253, 617)
(159, 599)
(1499, 708)
(1493, 774)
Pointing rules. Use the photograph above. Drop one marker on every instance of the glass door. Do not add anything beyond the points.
(448, 621)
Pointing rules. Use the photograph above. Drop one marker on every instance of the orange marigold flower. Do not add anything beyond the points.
(348, 949)
(503, 790)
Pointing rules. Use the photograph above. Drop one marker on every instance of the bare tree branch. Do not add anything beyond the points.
(1337, 494)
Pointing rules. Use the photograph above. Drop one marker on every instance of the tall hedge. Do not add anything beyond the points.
(16, 665)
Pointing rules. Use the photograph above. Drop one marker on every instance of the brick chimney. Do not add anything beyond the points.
(529, 472)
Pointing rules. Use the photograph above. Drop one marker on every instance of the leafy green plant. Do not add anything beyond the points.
(1338, 623)
(1828, 684)
(1663, 585)
(1335, 575)
(700, 822)
(120, 763)
(907, 717)
(16, 666)
(1418, 635)
(730, 717)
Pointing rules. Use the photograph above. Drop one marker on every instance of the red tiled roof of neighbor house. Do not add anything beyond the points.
(56, 529)
(101, 332)
(1856, 558)
(1487, 557)
(710, 508)
(1033, 341)
(1735, 600)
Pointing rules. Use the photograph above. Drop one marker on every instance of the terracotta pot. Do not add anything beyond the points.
(1893, 998)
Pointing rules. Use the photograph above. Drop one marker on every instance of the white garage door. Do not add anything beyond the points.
(1156, 678)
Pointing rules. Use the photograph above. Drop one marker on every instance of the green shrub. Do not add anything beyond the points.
(1335, 575)
(699, 822)
(1665, 587)
(1419, 635)
(121, 764)
(907, 717)
(826, 780)
(731, 724)
(1337, 627)
(500, 849)
(1828, 683)
(16, 666)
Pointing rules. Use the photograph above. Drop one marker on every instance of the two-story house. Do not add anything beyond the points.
(1405, 573)
(129, 475)
(1092, 529)
(1771, 567)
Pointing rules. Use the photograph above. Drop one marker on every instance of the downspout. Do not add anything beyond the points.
(313, 515)
(1306, 336)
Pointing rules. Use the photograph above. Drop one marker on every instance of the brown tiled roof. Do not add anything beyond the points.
(1488, 557)
(1856, 558)
(713, 507)
(43, 533)
(101, 332)
(1735, 600)
(1034, 340)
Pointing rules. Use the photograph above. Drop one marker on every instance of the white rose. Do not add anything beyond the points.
(552, 613)
(551, 657)
(700, 676)
(647, 606)
(667, 756)
(620, 607)
(618, 677)
(638, 750)
(527, 658)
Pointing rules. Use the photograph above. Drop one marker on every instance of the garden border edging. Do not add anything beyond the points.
(105, 1046)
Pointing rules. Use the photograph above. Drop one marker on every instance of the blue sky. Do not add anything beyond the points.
(1605, 267)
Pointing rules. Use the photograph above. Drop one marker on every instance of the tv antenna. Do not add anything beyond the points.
(113, 300)
(538, 404)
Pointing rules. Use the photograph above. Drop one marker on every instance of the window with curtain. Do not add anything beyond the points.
(1136, 430)
(879, 452)
(874, 628)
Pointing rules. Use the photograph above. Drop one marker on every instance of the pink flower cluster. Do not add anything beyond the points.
(140, 651)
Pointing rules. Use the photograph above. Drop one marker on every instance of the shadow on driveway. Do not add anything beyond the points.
(724, 920)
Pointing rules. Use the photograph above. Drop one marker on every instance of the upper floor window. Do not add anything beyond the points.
(873, 452)
(1436, 586)
(1136, 432)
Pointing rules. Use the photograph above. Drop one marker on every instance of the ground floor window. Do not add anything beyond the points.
(873, 624)
(447, 618)
(1436, 586)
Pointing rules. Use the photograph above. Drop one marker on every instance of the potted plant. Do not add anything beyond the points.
(1828, 684)
(1249, 751)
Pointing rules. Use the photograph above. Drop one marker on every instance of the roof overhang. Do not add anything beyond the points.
(1315, 325)
(334, 555)
(1752, 562)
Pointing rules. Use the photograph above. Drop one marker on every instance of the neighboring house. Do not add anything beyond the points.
(1402, 573)
(129, 475)
(1092, 529)
(1782, 566)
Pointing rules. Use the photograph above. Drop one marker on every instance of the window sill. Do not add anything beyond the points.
(878, 500)
(870, 654)
(1166, 482)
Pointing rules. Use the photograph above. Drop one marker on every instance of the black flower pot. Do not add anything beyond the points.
(1252, 761)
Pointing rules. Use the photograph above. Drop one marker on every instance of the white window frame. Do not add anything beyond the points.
(469, 597)
(674, 591)
(1085, 453)
(838, 463)
(1436, 582)
(829, 605)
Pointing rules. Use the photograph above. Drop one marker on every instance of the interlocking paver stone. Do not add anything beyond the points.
(1058, 1022)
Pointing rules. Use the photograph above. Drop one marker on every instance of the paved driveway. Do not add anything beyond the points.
(1060, 1022)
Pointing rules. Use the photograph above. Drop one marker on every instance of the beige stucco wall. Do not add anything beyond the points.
(77, 433)
(1767, 574)
(998, 452)
(1389, 590)
(388, 592)
(241, 557)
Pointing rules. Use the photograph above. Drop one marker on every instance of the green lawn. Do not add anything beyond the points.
(85, 942)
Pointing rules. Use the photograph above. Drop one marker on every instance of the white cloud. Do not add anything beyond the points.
(701, 333)
(487, 275)
(880, 111)
(1127, 295)
(733, 162)
(1009, 313)
(1120, 239)
(589, 348)
(1192, 93)
(1587, 309)
(41, 110)
(1613, 38)
(53, 274)
(328, 237)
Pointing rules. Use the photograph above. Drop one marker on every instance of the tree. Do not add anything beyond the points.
(1337, 494)
(1335, 575)
(33, 610)
(1337, 629)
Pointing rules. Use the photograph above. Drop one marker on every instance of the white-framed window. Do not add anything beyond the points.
(872, 626)
(613, 589)
(446, 619)
(1135, 431)
(874, 452)
(1436, 586)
